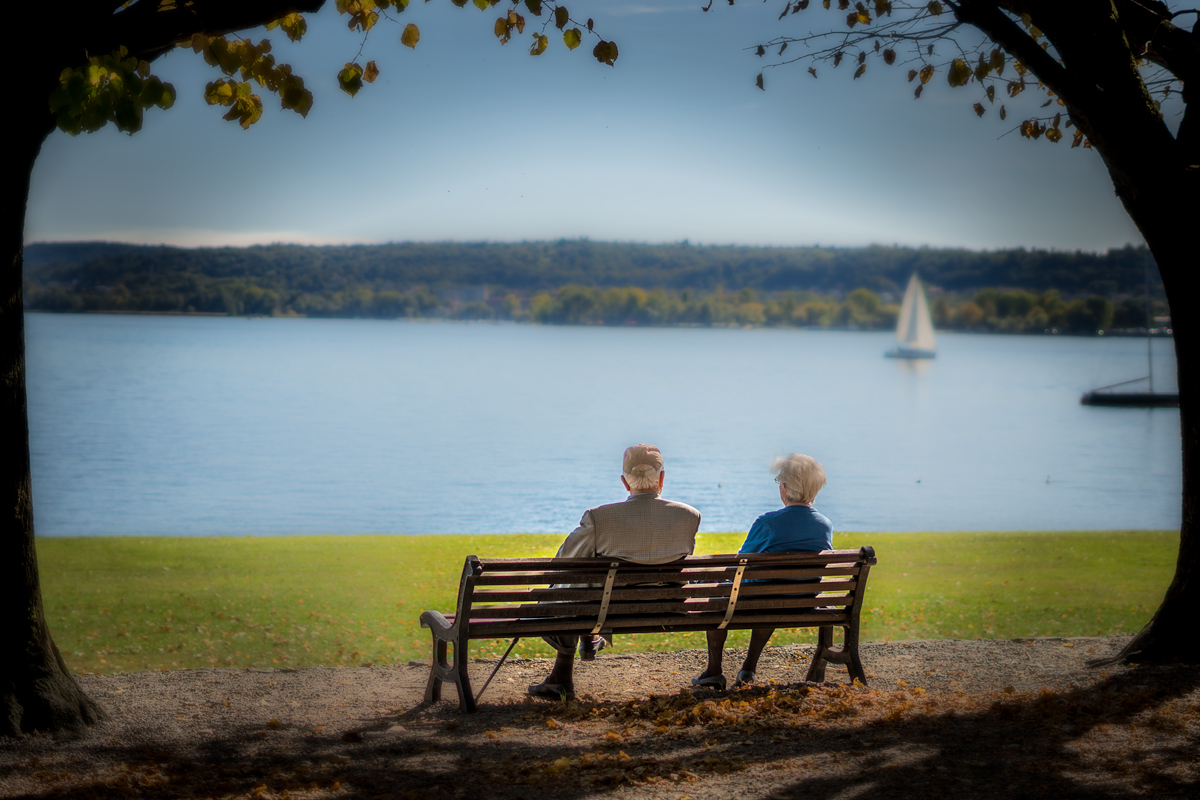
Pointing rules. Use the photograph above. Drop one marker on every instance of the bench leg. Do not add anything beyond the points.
(816, 670)
(466, 700)
(442, 670)
(433, 689)
(847, 654)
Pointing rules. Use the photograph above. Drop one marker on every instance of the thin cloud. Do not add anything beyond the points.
(628, 11)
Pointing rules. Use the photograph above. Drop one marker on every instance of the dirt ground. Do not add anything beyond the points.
(984, 718)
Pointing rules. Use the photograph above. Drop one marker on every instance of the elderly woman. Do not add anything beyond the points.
(795, 527)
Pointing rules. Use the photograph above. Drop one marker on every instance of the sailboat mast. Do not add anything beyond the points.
(1149, 338)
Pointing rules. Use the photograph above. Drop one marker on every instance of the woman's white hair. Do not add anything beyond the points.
(800, 475)
(643, 478)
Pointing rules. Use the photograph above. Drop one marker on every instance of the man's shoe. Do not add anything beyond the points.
(561, 692)
(711, 682)
(744, 677)
(588, 650)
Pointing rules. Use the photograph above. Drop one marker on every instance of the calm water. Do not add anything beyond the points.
(178, 425)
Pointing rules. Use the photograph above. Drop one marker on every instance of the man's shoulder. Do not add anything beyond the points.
(639, 504)
(683, 508)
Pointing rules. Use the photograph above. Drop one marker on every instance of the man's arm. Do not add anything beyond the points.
(581, 542)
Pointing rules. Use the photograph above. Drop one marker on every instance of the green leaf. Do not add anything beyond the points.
(411, 35)
(935, 8)
(997, 61)
(960, 73)
(572, 38)
(350, 79)
(534, 6)
(759, 82)
(561, 17)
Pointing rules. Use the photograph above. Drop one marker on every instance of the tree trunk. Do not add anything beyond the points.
(1165, 220)
(36, 690)
(1154, 175)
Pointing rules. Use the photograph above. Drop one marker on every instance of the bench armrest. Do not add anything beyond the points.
(436, 622)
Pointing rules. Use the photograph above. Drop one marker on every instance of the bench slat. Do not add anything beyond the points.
(514, 564)
(629, 579)
(580, 594)
(500, 629)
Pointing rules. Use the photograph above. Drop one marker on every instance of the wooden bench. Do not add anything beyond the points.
(501, 598)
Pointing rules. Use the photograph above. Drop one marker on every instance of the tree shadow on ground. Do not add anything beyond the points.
(1120, 737)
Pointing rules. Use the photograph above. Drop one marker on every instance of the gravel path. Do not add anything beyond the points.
(978, 718)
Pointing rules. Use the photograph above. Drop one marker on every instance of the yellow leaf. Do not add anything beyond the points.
(411, 35)
(540, 43)
(572, 38)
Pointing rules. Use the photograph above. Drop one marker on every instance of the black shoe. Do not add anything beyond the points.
(588, 650)
(561, 692)
(744, 677)
(712, 682)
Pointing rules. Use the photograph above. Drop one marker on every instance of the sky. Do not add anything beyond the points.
(464, 139)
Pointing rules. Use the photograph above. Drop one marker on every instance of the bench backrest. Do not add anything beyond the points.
(503, 597)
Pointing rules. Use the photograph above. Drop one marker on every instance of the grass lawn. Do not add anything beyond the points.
(124, 604)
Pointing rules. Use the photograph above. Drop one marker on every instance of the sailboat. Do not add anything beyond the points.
(914, 328)
(1147, 399)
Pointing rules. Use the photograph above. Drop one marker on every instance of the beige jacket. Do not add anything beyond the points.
(644, 529)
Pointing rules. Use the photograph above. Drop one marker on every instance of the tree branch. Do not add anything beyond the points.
(148, 30)
(999, 27)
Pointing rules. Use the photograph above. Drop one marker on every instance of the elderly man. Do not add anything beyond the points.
(644, 528)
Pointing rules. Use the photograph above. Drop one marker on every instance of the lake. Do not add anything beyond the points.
(155, 425)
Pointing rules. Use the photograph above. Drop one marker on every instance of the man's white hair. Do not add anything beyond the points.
(800, 475)
(644, 477)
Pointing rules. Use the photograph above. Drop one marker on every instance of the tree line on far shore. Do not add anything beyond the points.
(285, 280)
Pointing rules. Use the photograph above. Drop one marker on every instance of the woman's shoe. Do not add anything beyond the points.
(552, 691)
(711, 682)
(744, 677)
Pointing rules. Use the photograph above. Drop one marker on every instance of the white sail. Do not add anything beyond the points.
(914, 328)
